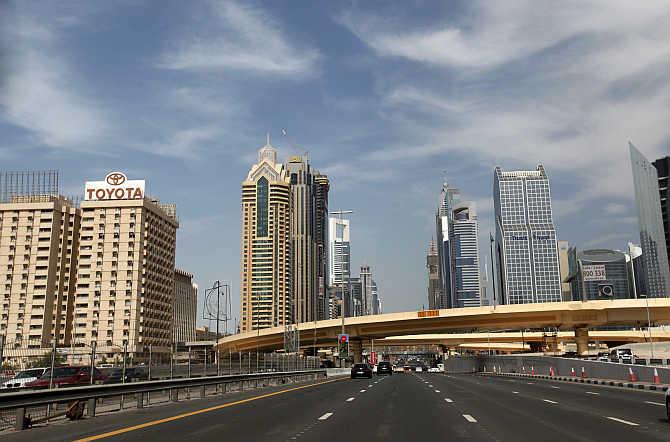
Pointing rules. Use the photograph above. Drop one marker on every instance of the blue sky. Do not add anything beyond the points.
(387, 98)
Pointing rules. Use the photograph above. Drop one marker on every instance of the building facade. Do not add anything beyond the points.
(321, 189)
(662, 166)
(527, 268)
(434, 287)
(599, 274)
(652, 235)
(464, 250)
(266, 292)
(449, 197)
(564, 264)
(339, 262)
(184, 307)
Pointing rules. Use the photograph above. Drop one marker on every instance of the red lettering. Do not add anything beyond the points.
(129, 191)
(90, 193)
(109, 193)
(119, 193)
(100, 194)
(138, 193)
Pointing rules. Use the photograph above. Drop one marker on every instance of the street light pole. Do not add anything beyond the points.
(651, 341)
(339, 213)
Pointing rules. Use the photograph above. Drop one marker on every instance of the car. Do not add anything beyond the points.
(418, 368)
(433, 370)
(23, 377)
(603, 356)
(384, 367)
(361, 371)
(132, 374)
(68, 376)
(667, 403)
(623, 355)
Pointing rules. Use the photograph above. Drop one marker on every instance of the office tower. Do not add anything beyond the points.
(434, 288)
(266, 244)
(184, 307)
(125, 280)
(464, 251)
(662, 166)
(526, 249)
(652, 236)
(304, 253)
(564, 265)
(321, 188)
(366, 289)
(339, 261)
(449, 196)
(598, 274)
(39, 234)
(376, 301)
(635, 269)
(356, 289)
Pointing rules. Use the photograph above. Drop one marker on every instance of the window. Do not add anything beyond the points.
(262, 207)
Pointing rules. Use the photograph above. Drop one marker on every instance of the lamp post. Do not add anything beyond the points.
(339, 213)
(651, 341)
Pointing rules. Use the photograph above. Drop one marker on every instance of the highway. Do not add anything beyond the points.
(403, 407)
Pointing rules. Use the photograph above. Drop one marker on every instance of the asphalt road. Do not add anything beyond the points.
(399, 408)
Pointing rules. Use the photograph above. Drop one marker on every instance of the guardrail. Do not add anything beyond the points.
(91, 393)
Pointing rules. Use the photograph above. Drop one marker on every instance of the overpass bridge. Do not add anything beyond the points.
(574, 316)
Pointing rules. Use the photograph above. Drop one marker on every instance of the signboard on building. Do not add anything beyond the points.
(594, 272)
(373, 357)
(116, 186)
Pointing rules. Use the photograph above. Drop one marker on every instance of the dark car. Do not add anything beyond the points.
(68, 376)
(361, 371)
(133, 374)
(384, 367)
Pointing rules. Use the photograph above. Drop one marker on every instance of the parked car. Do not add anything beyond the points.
(361, 371)
(384, 367)
(133, 374)
(68, 376)
(23, 377)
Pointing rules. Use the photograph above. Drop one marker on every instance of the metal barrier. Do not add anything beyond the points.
(22, 400)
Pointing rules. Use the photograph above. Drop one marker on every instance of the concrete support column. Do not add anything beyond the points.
(582, 340)
(356, 347)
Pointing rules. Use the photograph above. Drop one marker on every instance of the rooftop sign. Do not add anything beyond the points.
(116, 186)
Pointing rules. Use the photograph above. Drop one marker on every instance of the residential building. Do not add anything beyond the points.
(652, 235)
(321, 189)
(39, 235)
(125, 279)
(563, 263)
(266, 296)
(527, 268)
(434, 287)
(184, 307)
(598, 274)
(662, 166)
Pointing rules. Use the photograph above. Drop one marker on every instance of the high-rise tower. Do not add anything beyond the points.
(526, 249)
(464, 233)
(434, 287)
(321, 188)
(266, 243)
(662, 166)
(449, 196)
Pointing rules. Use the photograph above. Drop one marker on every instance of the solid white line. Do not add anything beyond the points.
(362, 391)
(351, 399)
(633, 424)
(593, 392)
(654, 403)
(437, 391)
(551, 402)
(469, 418)
(325, 416)
(448, 400)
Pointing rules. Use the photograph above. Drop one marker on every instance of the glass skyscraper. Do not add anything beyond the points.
(526, 246)
(652, 237)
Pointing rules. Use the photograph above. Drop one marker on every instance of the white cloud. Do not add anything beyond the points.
(185, 143)
(244, 38)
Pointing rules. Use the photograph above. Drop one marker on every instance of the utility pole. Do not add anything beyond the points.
(339, 213)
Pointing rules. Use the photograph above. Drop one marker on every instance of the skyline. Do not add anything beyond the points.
(348, 92)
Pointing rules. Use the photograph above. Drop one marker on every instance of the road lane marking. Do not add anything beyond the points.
(362, 391)
(551, 402)
(530, 383)
(370, 386)
(654, 403)
(632, 424)
(469, 418)
(448, 400)
(351, 399)
(593, 392)
(557, 388)
(437, 391)
(325, 416)
(515, 392)
(196, 412)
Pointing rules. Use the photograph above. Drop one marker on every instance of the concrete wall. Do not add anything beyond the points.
(457, 364)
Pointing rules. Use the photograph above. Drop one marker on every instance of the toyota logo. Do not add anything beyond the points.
(115, 178)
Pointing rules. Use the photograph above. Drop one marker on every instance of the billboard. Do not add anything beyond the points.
(594, 272)
(116, 186)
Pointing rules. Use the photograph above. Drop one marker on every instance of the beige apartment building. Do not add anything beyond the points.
(184, 307)
(38, 255)
(266, 258)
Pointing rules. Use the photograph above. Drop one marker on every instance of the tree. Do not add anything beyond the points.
(45, 360)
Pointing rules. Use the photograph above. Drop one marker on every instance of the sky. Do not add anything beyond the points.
(387, 98)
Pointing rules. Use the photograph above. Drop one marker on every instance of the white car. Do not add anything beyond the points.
(433, 370)
(23, 377)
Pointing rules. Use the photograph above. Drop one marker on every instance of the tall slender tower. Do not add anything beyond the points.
(321, 188)
(448, 198)
(266, 244)
(463, 234)
(652, 236)
(434, 288)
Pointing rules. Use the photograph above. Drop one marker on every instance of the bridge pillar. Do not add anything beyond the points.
(582, 340)
(356, 346)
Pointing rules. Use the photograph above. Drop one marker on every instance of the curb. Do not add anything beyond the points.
(613, 383)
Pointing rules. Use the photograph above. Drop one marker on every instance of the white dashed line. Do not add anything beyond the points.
(654, 403)
(351, 399)
(632, 424)
(325, 416)
(593, 392)
(551, 402)
(362, 391)
(530, 383)
(437, 391)
(430, 386)
(370, 386)
(515, 392)
(469, 418)
(557, 388)
(448, 400)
